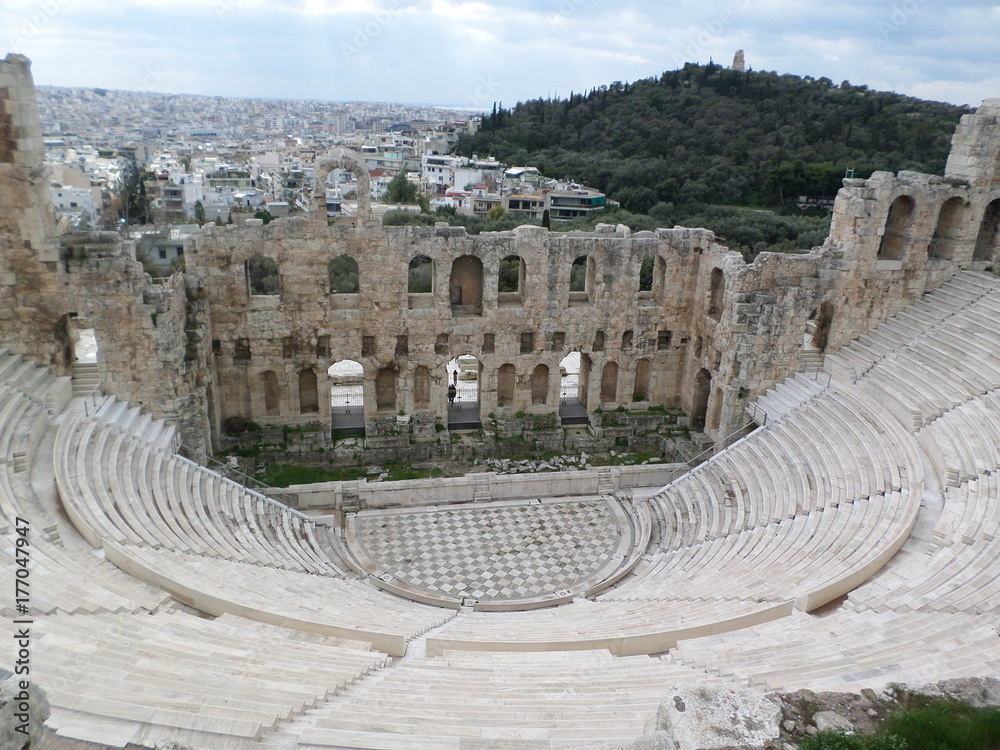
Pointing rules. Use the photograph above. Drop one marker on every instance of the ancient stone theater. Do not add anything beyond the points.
(843, 533)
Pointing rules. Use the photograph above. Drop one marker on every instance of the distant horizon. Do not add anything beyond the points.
(468, 54)
(461, 109)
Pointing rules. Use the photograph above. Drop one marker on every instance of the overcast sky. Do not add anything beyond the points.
(470, 53)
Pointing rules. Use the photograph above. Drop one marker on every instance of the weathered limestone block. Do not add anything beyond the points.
(707, 718)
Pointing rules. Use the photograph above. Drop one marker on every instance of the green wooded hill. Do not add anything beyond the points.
(706, 135)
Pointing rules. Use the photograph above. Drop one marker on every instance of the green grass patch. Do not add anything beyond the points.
(283, 475)
(400, 472)
(922, 724)
(623, 459)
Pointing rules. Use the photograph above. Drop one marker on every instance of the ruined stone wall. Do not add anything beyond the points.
(409, 338)
(50, 283)
(708, 335)
(28, 250)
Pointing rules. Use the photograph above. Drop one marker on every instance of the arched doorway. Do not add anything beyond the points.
(699, 404)
(988, 241)
(572, 390)
(464, 376)
(466, 286)
(347, 397)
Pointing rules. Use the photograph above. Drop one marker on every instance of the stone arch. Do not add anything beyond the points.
(344, 275)
(466, 286)
(609, 383)
(540, 385)
(262, 276)
(506, 378)
(421, 387)
(347, 378)
(988, 239)
(699, 405)
(269, 387)
(897, 224)
(643, 371)
(341, 158)
(385, 389)
(717, 285)
(948, 231)
(308, 392)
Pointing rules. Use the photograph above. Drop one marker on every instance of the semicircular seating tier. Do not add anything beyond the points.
(930, 614)
(807, 554)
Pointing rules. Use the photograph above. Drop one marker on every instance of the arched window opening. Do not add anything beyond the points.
(897, 224)
(466, 286)
(343, 275)
(948, 231)
(262, 276)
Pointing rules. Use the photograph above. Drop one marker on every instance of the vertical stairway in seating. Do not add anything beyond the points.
(86, 377)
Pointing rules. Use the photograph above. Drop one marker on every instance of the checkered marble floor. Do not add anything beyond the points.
(493, 551)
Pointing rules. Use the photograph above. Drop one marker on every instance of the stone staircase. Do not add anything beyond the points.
(86, 377)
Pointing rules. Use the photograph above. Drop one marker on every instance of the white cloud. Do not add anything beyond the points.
(438, 51)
